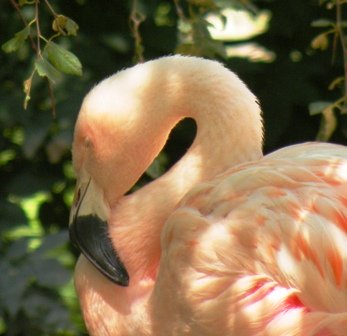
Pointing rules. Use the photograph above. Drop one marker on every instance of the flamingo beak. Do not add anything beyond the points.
(89, 233)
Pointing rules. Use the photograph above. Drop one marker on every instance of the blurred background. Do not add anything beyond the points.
(290, 54)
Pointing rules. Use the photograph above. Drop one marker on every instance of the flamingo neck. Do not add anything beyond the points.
(229, 132)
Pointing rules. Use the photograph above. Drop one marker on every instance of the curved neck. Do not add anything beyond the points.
(229, 132)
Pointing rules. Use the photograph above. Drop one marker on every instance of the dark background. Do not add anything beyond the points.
(36, 190)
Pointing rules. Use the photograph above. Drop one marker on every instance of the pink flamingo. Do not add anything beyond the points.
(227, 242)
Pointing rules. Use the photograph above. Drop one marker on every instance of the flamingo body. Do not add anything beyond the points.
(261, 250)
(227, 242)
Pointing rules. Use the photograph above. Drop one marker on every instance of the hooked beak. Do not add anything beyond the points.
(89, 233)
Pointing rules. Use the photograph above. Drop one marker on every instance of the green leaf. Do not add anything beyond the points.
(56, 148)
(328, 121)
(49, 272)
(63, 60)
(188, 49)
(17, 250)
(13, 285)
(11, 45)
(27, 183)
(206, 4)
(320, 42)
(34, 138)
(322, 23)
(43, 309)
(26, 2)
(27, 88)
(64, 25)
(34, 135)
(206, 46)
(328, 124)
(14, 43)
(52, 241)
(336, 82)
(12, 216)
(71, 27)
(23, 34)
(318, 107)
(46, 69)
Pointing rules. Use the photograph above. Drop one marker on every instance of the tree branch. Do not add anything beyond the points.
(38, 31)
(16, 6)
(51, 8)
(136, 18)
(340, 33)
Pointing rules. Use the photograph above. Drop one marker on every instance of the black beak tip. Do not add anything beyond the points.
(120, 279)
(90, 235)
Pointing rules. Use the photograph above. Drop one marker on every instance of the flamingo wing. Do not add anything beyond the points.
(260, 250)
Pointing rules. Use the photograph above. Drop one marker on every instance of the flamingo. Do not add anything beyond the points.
(228, 241)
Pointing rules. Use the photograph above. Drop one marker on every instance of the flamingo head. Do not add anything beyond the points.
(89, 230)
(103, 157)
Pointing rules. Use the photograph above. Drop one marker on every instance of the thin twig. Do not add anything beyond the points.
(52, 97)
(16, 6)
(179, 10)
(51, 8)
(339, 29)
(38, 32)
(136, 18)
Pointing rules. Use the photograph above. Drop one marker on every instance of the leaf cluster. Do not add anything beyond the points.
(53, 59)
(335, 30)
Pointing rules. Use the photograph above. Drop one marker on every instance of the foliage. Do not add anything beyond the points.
(293, 58)
(321, 41)
(53, 58)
